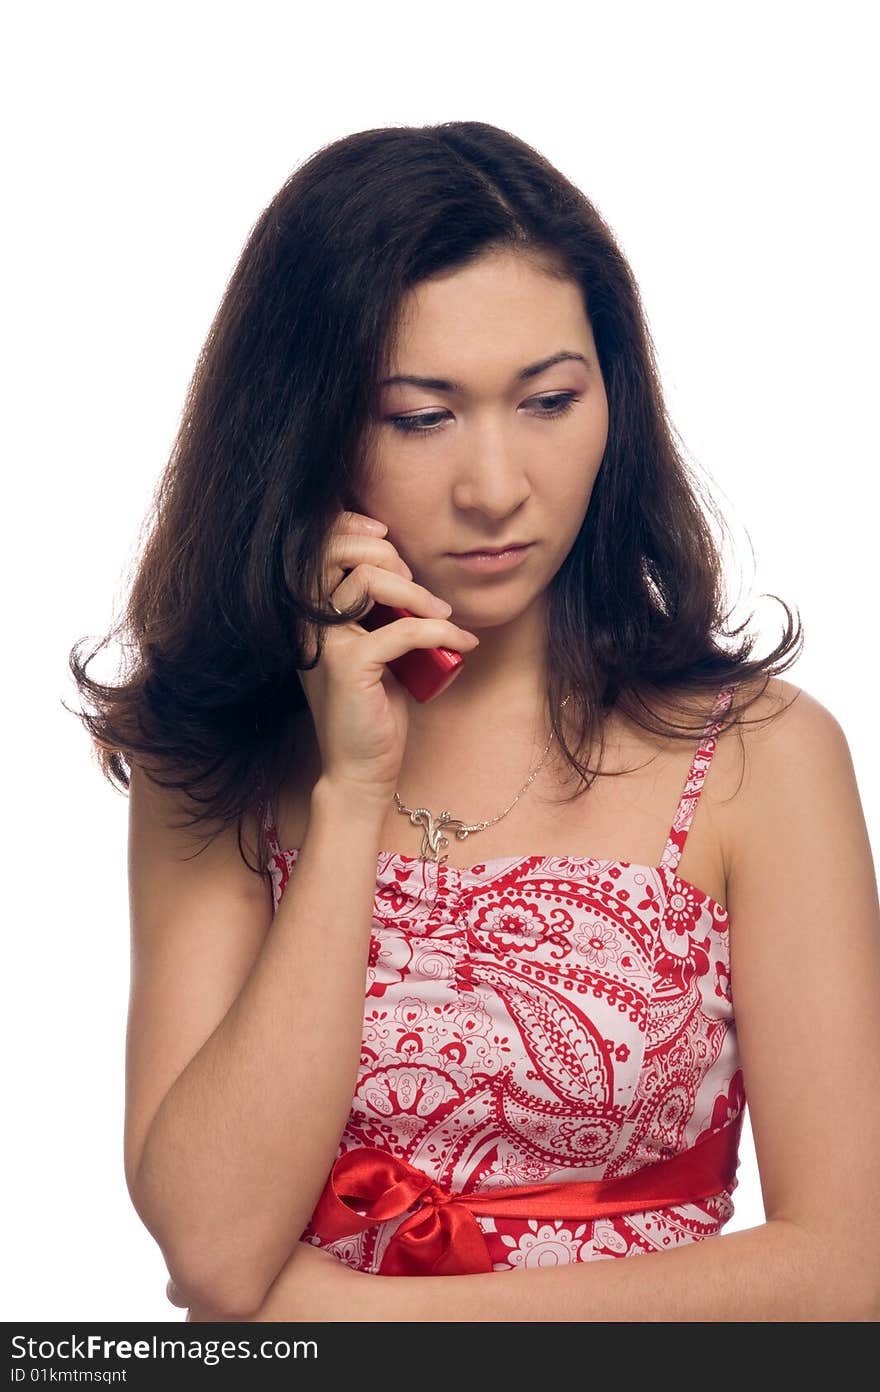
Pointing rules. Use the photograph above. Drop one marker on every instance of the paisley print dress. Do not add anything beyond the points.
(535, 1019)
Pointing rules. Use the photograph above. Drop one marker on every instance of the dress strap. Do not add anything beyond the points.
(267, 822)
(693, 786)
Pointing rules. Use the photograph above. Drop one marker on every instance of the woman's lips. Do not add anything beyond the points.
(489, 563)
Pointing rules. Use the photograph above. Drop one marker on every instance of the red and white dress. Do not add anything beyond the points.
(539, 1020)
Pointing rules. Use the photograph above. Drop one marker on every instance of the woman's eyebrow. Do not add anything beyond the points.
(443, 384)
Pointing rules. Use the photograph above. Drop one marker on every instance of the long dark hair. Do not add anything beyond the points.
(270, 448)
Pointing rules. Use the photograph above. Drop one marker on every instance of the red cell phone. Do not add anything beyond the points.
(425, 672)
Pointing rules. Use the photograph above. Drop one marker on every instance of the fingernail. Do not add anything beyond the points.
(379, 527)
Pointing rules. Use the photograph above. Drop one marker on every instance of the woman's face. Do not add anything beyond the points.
(498, 449)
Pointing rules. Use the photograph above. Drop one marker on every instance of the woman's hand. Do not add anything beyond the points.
(313, 1285)
(359, 709)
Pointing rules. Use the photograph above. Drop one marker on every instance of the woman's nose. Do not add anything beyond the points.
(493, 484)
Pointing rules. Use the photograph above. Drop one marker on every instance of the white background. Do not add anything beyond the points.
(730, 148)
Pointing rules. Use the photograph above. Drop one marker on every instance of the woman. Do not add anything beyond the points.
(461, 1019)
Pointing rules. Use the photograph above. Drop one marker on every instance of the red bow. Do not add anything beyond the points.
(367, 1186)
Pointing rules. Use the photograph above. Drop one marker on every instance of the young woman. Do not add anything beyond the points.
(510, 960)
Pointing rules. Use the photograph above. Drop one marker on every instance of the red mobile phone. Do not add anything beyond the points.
(425, 672)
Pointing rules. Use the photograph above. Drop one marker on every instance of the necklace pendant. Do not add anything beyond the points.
(430, 850)
(421, 816)
(433, 840)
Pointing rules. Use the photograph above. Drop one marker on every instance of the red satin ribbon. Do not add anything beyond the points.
(441, 1237)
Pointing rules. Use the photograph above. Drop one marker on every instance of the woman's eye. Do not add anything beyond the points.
(551, 408)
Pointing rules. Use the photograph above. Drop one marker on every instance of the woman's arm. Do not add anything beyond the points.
(772, 1272)
(776, 1271)
(239, 1149)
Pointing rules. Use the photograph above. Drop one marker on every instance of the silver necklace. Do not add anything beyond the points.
(433, 840)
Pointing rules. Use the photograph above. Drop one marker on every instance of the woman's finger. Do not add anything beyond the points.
(359, 521)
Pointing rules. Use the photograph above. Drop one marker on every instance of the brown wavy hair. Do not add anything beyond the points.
(271, 445)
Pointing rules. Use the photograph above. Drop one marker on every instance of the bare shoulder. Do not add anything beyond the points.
(787, 727)
(793, 750)
(159, 825)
